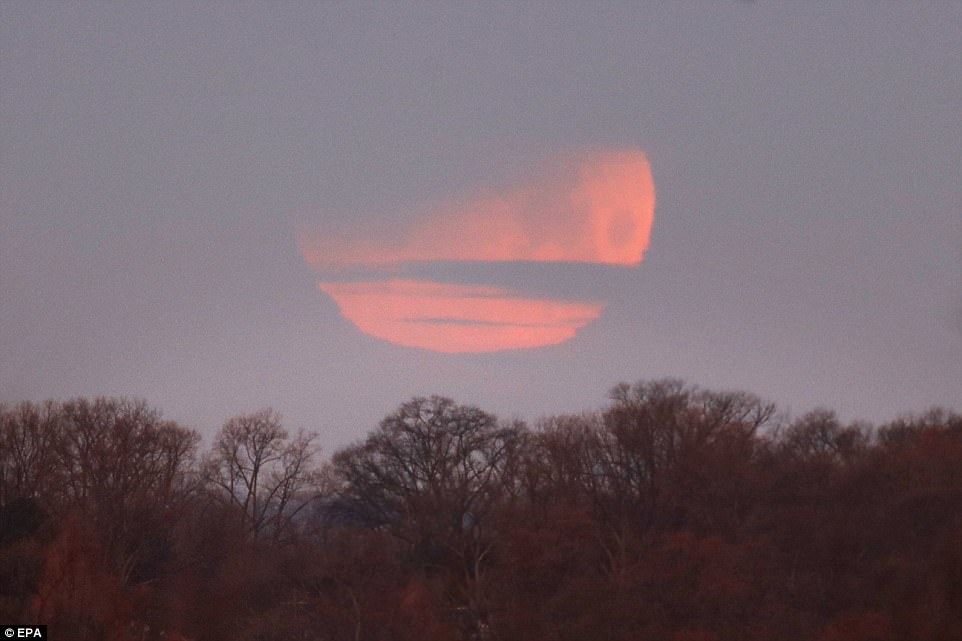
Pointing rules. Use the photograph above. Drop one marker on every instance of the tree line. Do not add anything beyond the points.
(674, 513)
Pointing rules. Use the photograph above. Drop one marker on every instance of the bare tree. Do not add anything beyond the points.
(257, 467)
(433, 473)
(112, 461)
(28, 434)
(820, 435)
(642, 462)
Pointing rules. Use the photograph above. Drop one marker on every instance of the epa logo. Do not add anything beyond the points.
(25, 632)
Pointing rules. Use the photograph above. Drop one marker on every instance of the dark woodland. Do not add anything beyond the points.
(672, 514)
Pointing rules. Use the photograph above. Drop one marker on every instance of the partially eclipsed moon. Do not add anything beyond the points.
(457, 318)
(597, 208)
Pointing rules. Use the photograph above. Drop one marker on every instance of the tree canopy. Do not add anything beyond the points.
(671, 513)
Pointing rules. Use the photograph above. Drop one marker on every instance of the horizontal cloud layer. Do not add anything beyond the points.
(457, 318)
(593, 208)
(597, 208)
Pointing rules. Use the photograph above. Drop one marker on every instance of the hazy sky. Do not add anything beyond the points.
(160, 162)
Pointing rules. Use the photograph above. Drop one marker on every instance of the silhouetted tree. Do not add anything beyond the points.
(674, 513)
(29, 435)
(257, 467)
(433, 472)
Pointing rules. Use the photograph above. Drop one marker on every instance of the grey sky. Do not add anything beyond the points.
(157, 160)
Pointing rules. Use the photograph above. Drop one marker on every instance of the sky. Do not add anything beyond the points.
(325, 208)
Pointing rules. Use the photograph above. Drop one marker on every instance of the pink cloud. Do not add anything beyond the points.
(597, 208)
(592, 208)
(457, 318)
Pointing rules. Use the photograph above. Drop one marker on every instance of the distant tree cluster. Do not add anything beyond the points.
(673, 514)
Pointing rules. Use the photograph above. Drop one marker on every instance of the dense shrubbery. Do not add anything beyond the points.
(673, 514)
